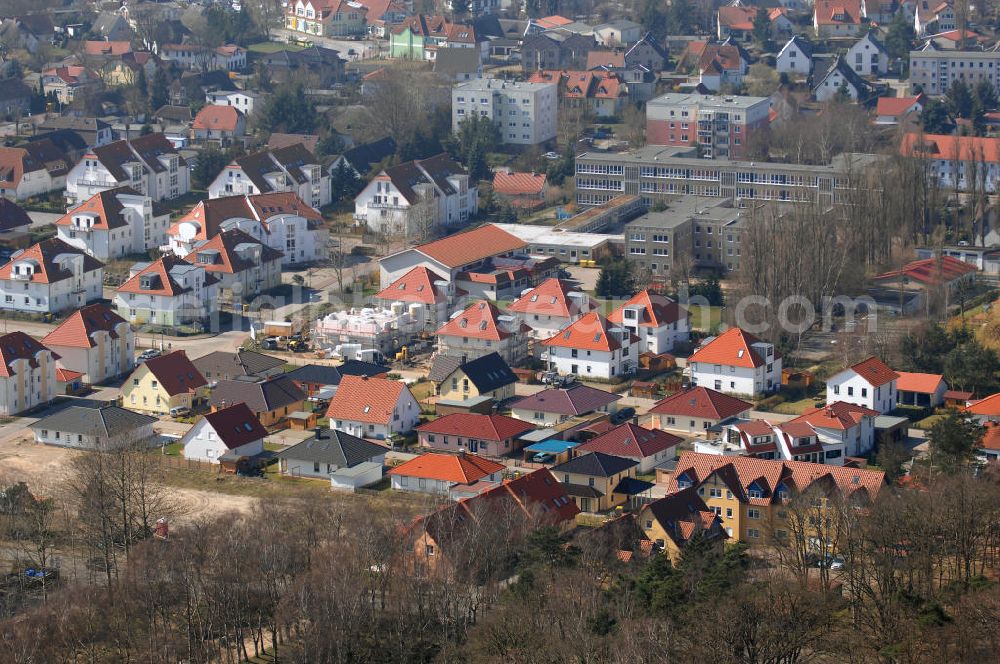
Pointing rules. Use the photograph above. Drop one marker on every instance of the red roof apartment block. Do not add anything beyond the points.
(417, 286)
(589, 332)
(731, 348)
(701, 402)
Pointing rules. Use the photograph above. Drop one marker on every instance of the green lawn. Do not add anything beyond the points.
(174, 449)
(273, 47)
(928, 422)
(796, 407)
(704, 318)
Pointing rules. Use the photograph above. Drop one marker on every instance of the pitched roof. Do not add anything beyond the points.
(549, 298)
(175, 373)
(100, 47)
(988, 406)
(839, 415)
(159, 273)
(933, 271)
(12, 216)
(739, 473)
(837, 12)
(518, 184)
(701, 402)
(605, 58)
(316, 374)
(595, 464)
(19, 346)
(488, 427)
(262, 396)
(78, 330)
(923, 383)
(431, 171)
(217, 118)
(682, 514)
(803, 44)
(896, 106)
(46, 257)
(240, 363)
(457, 468)
(479, 321)
(335, 447)
(105, 206)
(417, 285)
(874, 371)
(31, 157)
(362, 399)
(210, 215)
(93, 418)
(236, 425)
(363, 157)
(230, 252)
(142, 149)
(470, 246)
(853, 78)
(362, 368)
(991, 437)
(577, 399)
(489, 372)
(632, 441)
(589, 332)
(658, 310)
(731, 348)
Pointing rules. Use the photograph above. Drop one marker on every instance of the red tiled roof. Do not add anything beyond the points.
(948, 148)
(518, 184)
(217, 118)
(923, 383)
(991, 437)
(229, 260)
(161, 268)
(470, 246)
(603, 58)
(210, 214)
(105, 206)
(989, 406)
(742, 18)
(553, 21)
(657, 310)
(701, 402)
(43, 255)
(457, 468)
(363, 399)
(731, 348)
(874, 371)
(632, 441)
(589, 332)
(957, 395)
(838, 12)
(236, 425)
(577, 399)
(175, 373)
(67, 375)
(839, 415)
(488, 427)
(78, 330)
(549, 298)
(95, 47)
(478, 321)
(417, 285)
(940, 270)
(19, 346)
(896, 106)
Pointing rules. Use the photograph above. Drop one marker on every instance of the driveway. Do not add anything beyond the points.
(363, 50)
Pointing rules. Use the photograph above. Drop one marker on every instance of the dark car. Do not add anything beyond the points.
(623, 415)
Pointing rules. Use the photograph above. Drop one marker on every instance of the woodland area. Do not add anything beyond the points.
(316, 580)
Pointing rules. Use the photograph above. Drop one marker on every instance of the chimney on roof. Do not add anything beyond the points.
(319, 432)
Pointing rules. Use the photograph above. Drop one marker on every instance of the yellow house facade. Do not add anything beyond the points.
(163, 383)
(592, 480)
(672, 521)
(459, 386)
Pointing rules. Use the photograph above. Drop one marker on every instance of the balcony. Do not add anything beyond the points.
(20, 276)
(85, 182)
(389, 206)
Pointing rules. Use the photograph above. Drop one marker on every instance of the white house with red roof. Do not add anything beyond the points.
(27, 373)
(737, 22)
(791, 441)
(326, 18)
(232, 432)
(837, 18)
(292, 168)
(869, 383)
(591, 347)
(424, 293)
(736, 362)
(50, 277)
(114, 223)
(94, 341)
(496, 435)
(843, 423)
(931, 16)
(441, 473)
(373, 408)
(659, 322)
(649, 447)
(892, 110)
(696, 410)
(150, 164)
(549, 307)
(482, 329)
(169, 291)
(280, 220)
(218, 123)
(243, 265)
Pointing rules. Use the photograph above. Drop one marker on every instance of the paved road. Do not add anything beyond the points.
(363, 49)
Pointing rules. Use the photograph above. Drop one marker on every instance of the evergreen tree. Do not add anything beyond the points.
(960, 99)
(208, 165)
(680, 18)
(953, 439)
(899, 37)
(289, 111)
(986, 95)
(935, 118)
(654, 19)
(477, 136)
(762, 26)
(159, 92)
(140, 83)
(459, 7)
(344, 182)
(616, 279)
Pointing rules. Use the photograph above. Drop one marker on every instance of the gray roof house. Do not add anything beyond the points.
(270, 399)
(348, 461)
(94, 425)
(220, 365)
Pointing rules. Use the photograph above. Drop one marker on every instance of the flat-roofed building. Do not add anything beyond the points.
(721, 125)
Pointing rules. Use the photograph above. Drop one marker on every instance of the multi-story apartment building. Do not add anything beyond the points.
(524, 112)
(32, 169)
(243, 264)
(417, 197)
(660, 174)
(870, 384)
(326, 18)
(50, 277)
(94, 341)
(27, 373)
(934, 70)
(722, 126)
(958, 163)
(694, 231)
(753, 496)
(228, 57)
(169, 291)
(292, 169)
(591, 347)
(479, 330)
(659, 322)
(148, 164)
(281, 221)
(114, 223)
(736, 362)
(791, 441)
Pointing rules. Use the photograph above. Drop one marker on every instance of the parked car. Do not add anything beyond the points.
(623, 415)
(543, 457)
(148, 354)
(270, 343)
(179, 411)
(551, 155)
